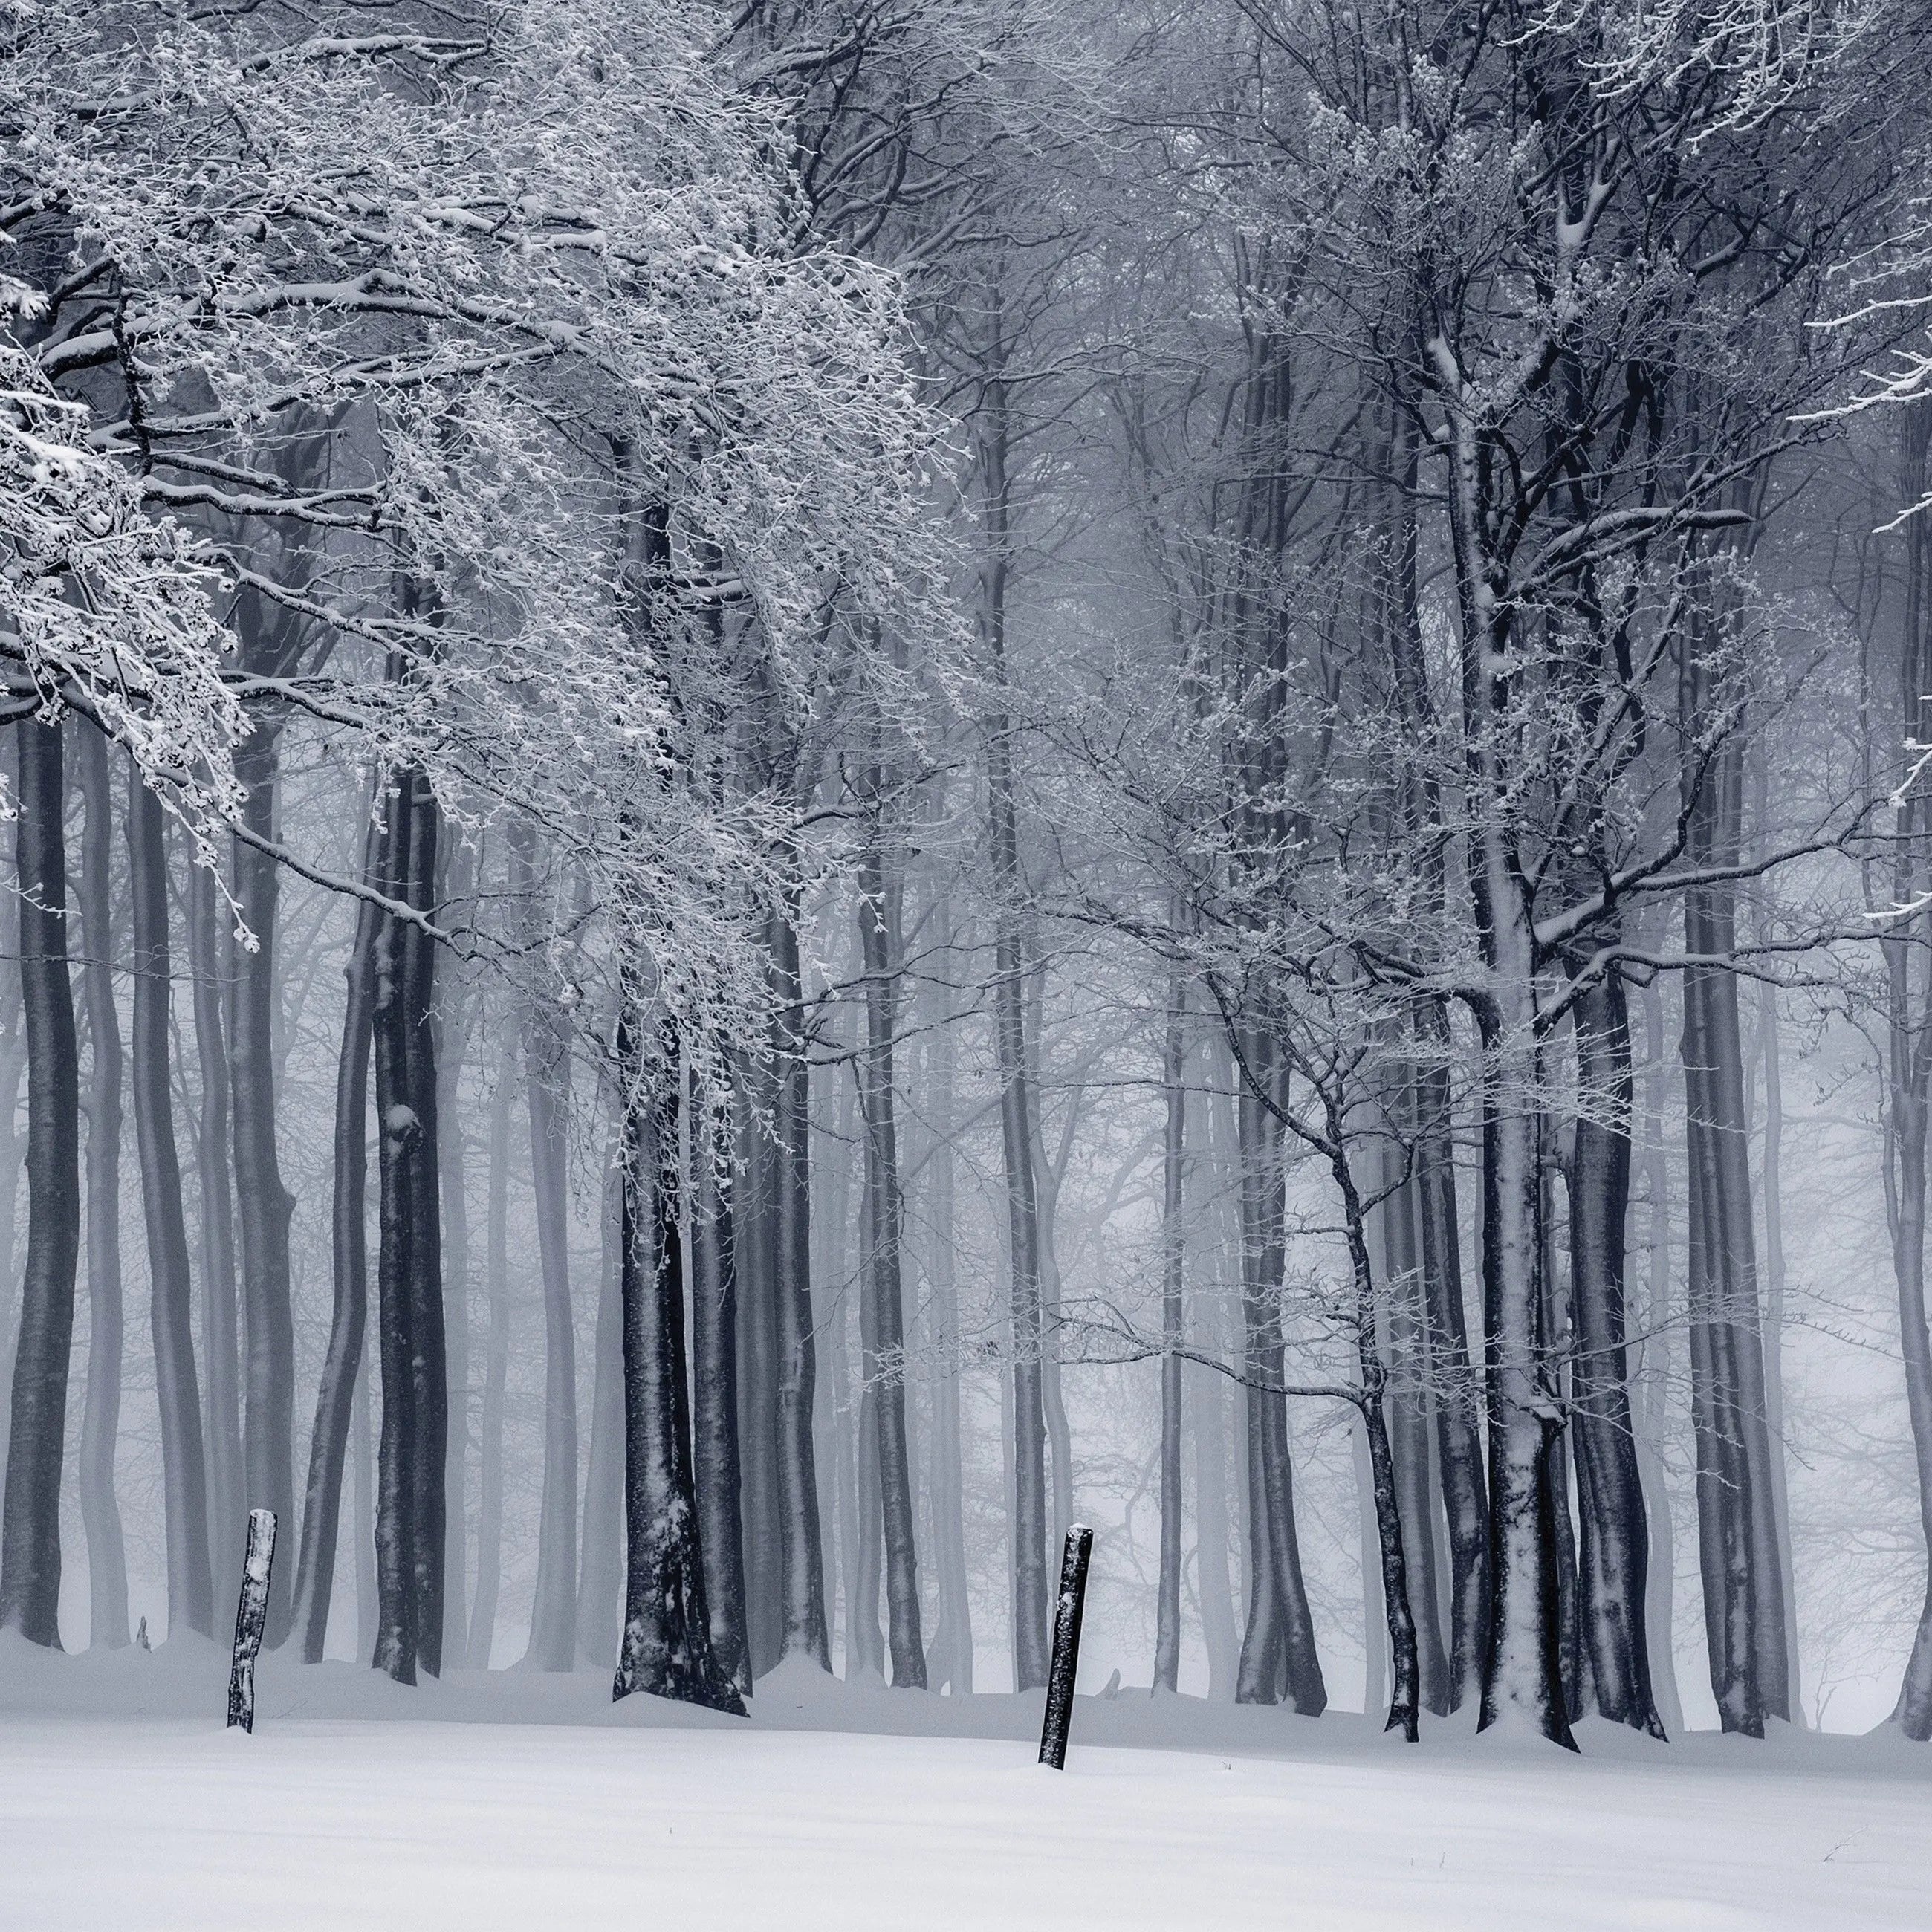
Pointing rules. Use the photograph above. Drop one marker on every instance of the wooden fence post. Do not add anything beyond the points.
(251, 1617)
(1066, 1664)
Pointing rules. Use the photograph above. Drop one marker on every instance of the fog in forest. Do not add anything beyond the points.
(795, 792)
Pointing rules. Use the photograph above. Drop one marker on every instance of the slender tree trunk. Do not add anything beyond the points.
(802, 1574)
(1615, 1542)
(1406, 1407)
(171, 1291)
(1909, 991)
(342, 1362)
(13, 1142)
(949, 1659)
(546, 1063)
(882, 1286)
(209, 956)
(1173, 1323)
(268, 1469)
(714, 1319)
(496, 1374)
(30, 1542)
(454, 1004)
(600, 1592)
(754, 1252)
(101, 1419)
(666, 1648)
(365, 1531)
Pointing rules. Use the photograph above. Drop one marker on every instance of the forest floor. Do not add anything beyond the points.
(519, 1801)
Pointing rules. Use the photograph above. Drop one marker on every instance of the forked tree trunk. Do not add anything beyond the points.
(666, 1646)
(1615, 1538)
(100, 1419)
(171, 1292)
(30, 1542)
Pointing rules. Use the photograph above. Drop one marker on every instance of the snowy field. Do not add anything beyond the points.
(124, 1804)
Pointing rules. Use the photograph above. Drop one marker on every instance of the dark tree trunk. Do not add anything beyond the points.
(1406, 1408)
(1278, 1655)
(1615, 1533)
(714, 1316)
(882, 1288)
(30, 1544)
(209, 956)
(1458, 1396)
(410, 1527)
(184, 1472)
(335, 1396)
(666, 1648)
(267, 1468)
(802, 1578)
(100, 1420)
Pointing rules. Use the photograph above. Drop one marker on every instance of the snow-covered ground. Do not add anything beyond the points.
(515, 1801)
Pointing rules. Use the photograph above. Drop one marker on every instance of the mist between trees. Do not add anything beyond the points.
(798, 788)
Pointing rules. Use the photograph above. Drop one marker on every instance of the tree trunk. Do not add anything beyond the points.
(666, 1648)
(949, 1656)
(601, 1590)
(1614, 1540)
(1910, 1056)
(268, 1469)
(1173, 1319)
(495, 1373)
(454, 1005)
(1406, 1407)
(553, 1644)
(30, 1542)
(100, 1420)
(714, 1319)
(342, 1362)
(1278, 1656)
(1744, 1564)
(410, 1527)
(754, 1253)
(881, 1287)
(210, 957)
(803, 1575)
(171, 1298)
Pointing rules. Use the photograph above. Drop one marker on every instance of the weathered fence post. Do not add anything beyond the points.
(251, 1617)
(1066, 1664)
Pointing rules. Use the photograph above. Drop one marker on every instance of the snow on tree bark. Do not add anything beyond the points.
(251, 1618)
(1064, 1669)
